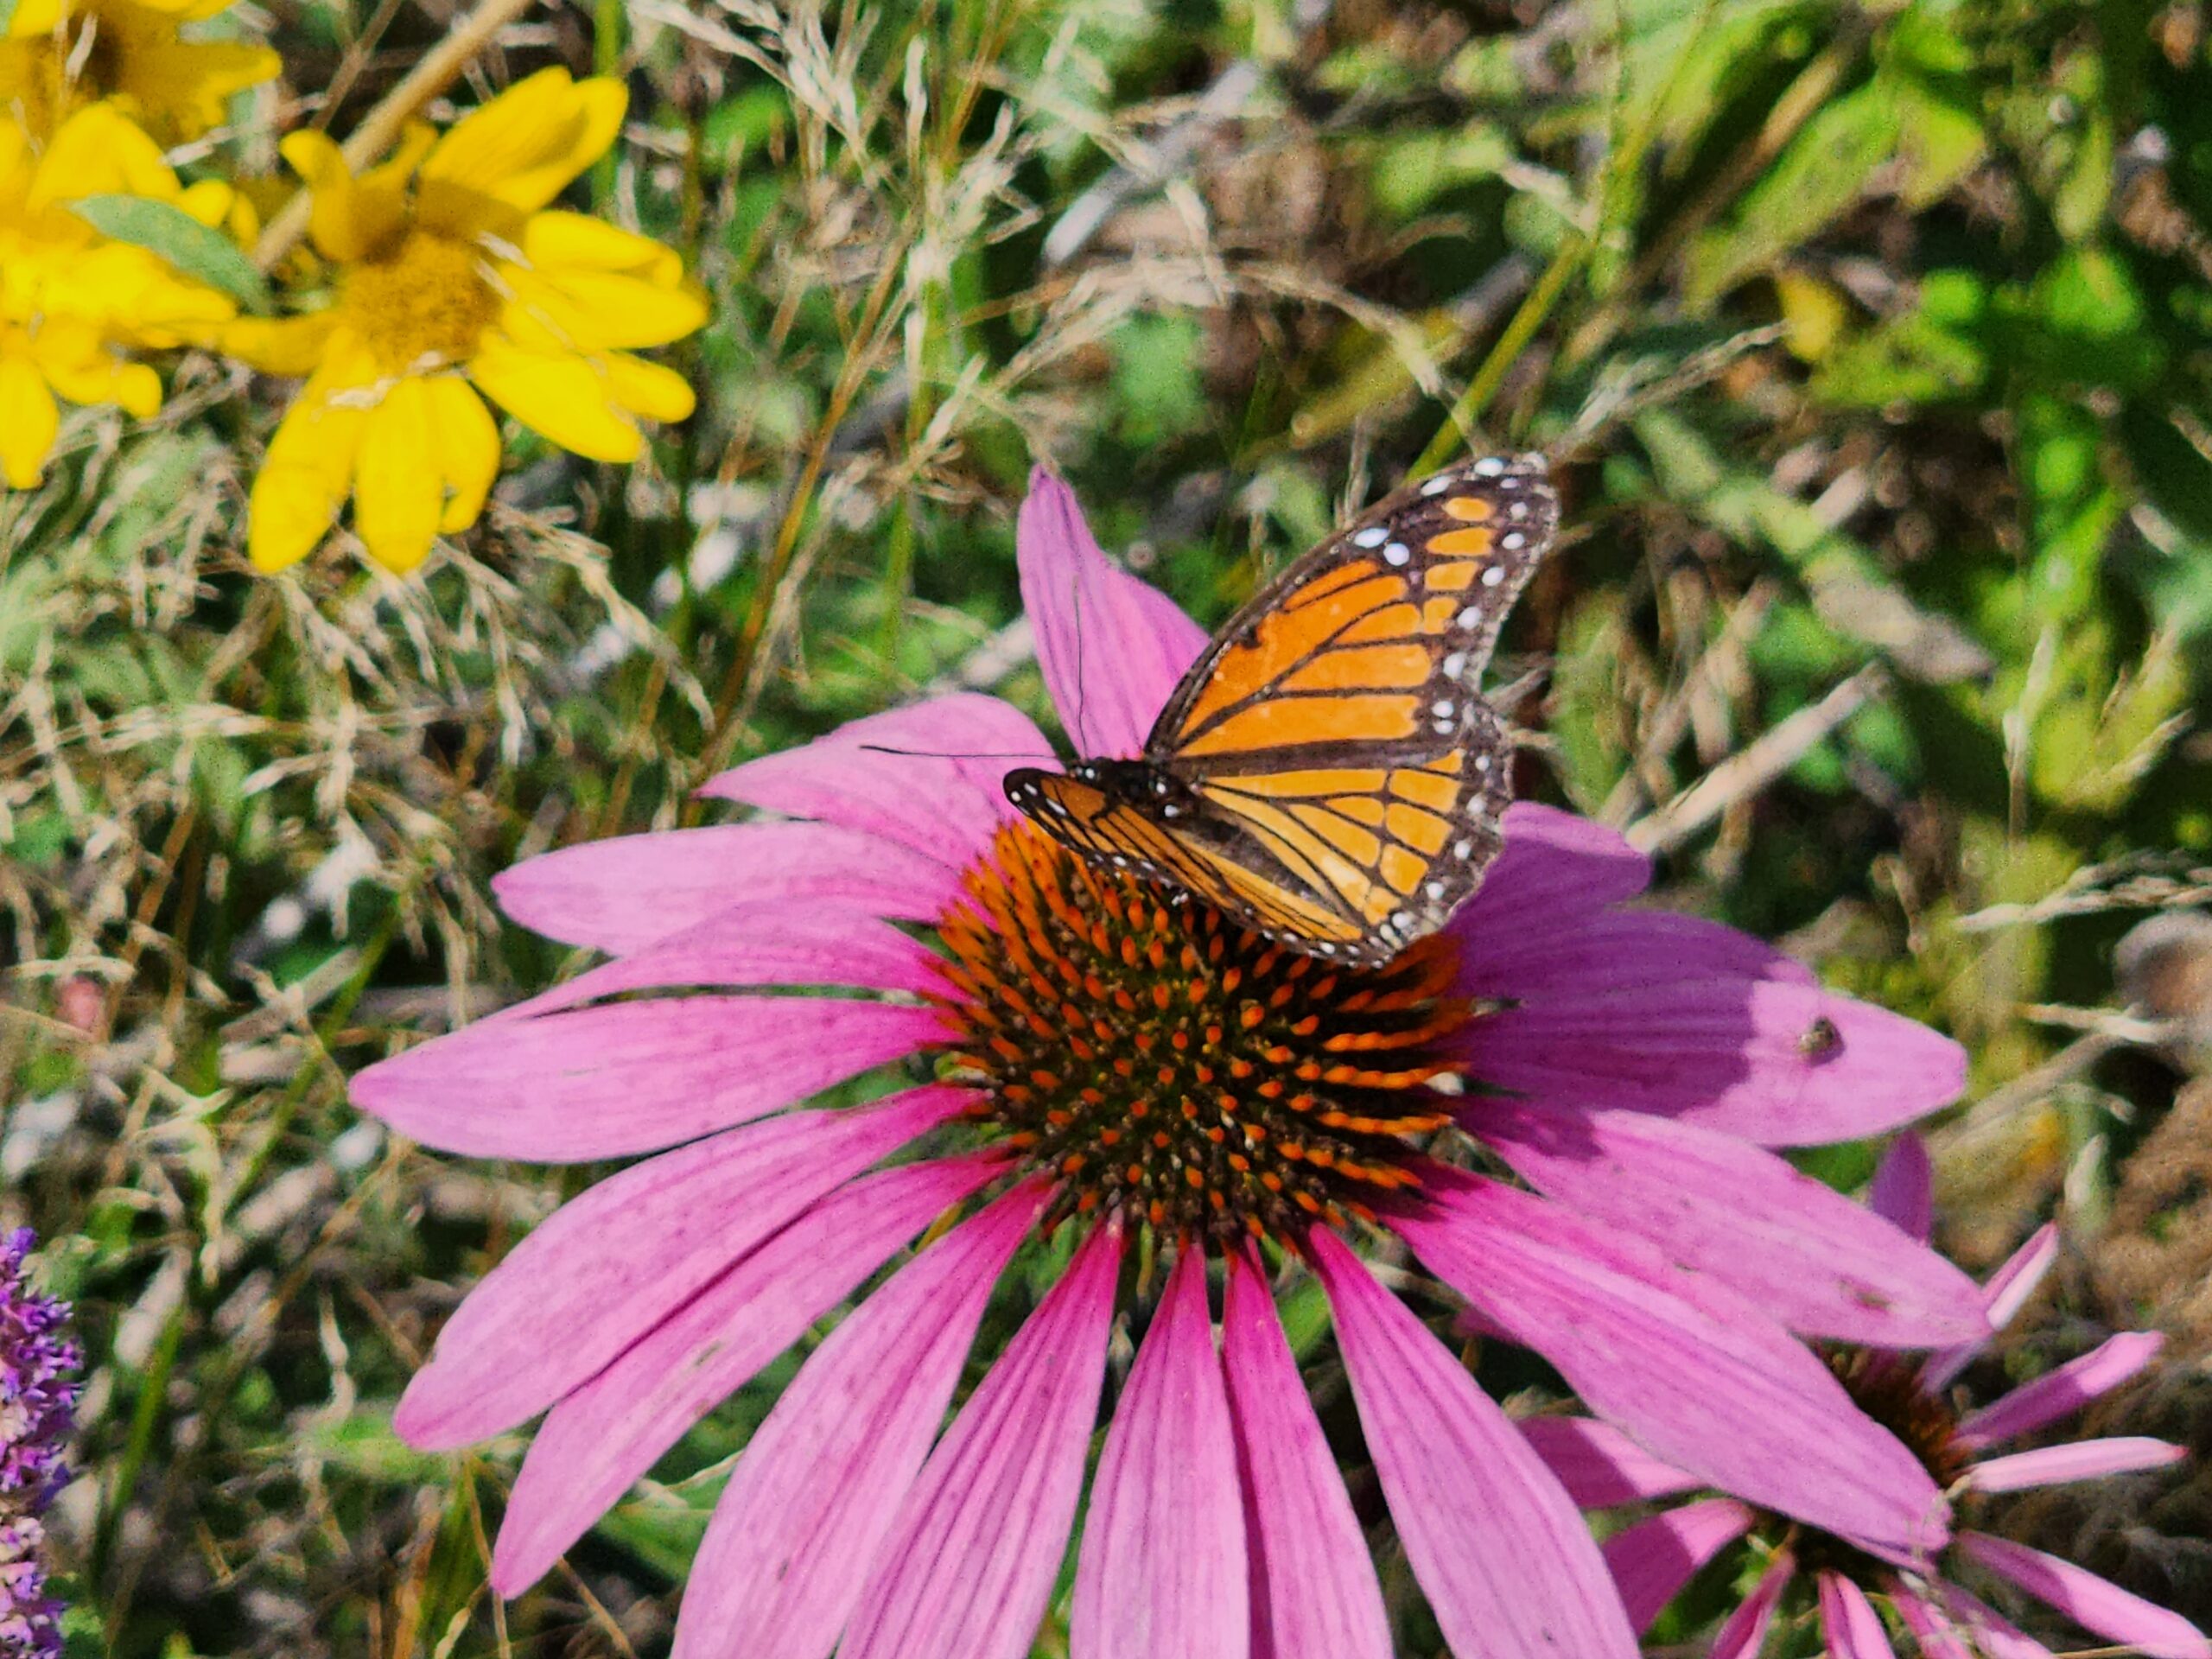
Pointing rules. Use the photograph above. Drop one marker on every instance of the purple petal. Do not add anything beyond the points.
(1799, 1251)
(1506, 1562)
(2092, 1603)
(617, 896)
(925, 776)
(752, 944)
(1111, 648)
(815, 1490)
(1314, 1593)
(1744, 1633)
(629, 1077)
(1554, 865)
(1654, 1559)
(1992, 1637)
(609, 1265)
(609, 1431)
(969, 1565)
(1931, 1627)
(1686, 1366)
(2003, 1295)
(1853, 1627)
(2055, 1465)
(1684, 1019)
(1904, 1192)
(1162, 1574)
(2055, 1394)
(1600, 1466)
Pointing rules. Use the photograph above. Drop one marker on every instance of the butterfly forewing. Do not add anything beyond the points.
(1327, 771)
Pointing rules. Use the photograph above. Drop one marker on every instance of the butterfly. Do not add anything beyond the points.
(1326, 773)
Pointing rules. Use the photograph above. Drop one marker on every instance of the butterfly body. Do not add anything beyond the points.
(1327, 772)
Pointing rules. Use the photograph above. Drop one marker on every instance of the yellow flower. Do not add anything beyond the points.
(451, 278)
(59, 55)
(70, 300)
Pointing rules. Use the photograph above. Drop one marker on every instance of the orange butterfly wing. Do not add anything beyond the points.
(1337, 778)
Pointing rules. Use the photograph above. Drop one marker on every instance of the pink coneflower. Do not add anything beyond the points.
(1654, 1559)
(1122, 1078)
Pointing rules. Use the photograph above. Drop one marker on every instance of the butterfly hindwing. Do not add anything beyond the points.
(1326, 772)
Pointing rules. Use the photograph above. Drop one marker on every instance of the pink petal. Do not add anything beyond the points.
(1904, 1187)
(1696, 1375)
(2054, 1466)
(2057, 1393)
(611, 1264)
(2003, 1295)
(1654, 1559)
(1506, 1562)
(609, 1431)
(1679, 1018)
(924, 777)
(811, 1498)
(752, 944)
(2092, 1603)
(1853, 1628)
(1314, 1594)
(629, 1077)
(1931, 1627)
(1162, 1574)
(1554, 865)
(1600, 1466)
(1801, 1252)
(617, 896)
(969, 1565)
(1111, 648)
(1992, 1637)
(1744, 1633)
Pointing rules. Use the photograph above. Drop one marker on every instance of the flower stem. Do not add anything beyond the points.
(437, 70)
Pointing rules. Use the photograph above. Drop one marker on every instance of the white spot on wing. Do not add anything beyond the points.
(1373, 535)
(1492, 577)
(1489, 466)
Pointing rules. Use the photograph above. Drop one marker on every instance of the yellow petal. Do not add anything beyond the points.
(647, 389)
(590, 311)
(29, 422)
(304, 478)
(184, 87)
(99, 152)
(398, 489)
(277, 345)
(33, 17)
(555, 239)
(516, 153)
(84, 368)
(556, 396)
(466, 440)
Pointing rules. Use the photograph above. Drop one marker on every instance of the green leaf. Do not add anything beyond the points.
(1822, 173)
(198, 251)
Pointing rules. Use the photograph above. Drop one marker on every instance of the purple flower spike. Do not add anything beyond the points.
(38, 1397)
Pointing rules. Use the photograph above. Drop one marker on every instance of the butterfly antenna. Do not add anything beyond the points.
(950, 754)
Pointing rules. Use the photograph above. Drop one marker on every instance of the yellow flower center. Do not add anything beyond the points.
(425, 303)
(1158, 1060)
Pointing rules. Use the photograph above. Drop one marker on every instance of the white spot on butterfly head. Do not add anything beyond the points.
(1396, 553)
(1492, 577)
(1373, 535)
